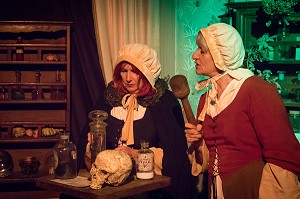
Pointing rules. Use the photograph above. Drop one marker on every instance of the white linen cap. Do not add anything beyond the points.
(225, 45)
(144, 58)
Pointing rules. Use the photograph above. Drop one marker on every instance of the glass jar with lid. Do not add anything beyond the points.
(98, 132)
(57, 91)
(37, 92)
(17, 92)
(65, 157)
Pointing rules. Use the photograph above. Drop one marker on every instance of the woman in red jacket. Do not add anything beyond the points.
(243, 125)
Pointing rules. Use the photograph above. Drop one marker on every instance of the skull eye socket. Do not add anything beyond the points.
(104, 172)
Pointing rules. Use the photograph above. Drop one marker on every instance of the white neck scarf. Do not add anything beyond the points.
(239, 75)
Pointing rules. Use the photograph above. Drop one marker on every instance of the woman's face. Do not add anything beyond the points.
(131, 80)
(204, 62)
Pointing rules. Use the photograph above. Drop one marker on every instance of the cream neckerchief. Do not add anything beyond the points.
(129, 102)
(211, 96)
(212, 104)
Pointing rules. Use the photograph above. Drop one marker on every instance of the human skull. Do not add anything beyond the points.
(112, 167)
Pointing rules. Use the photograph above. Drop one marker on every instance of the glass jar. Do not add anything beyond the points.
(98, 132)
(65, 158)
(145, 162)
(4, 95)
(280, 75)
(37, 93)
(19, 50)
(18, 92)
(57, 91)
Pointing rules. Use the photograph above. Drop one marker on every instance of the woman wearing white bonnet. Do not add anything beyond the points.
(244, 138)
(140, 107)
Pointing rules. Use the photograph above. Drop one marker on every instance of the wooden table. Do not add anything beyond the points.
(131, 188)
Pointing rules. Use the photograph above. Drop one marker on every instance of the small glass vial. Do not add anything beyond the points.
(65, 158)
(298, 77)
(145, 162)
(4, 95)
(281, 75)
(18, 92)
(98, 132)
(37, 93)
(19, 50)
(57, 92)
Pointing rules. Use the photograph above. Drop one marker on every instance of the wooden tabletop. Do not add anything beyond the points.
(130, 188)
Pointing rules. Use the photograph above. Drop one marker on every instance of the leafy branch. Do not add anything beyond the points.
(259, 52)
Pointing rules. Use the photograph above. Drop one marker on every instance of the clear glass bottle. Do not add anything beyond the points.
(98, 132)
(3, 95)
(145, 162)
(57, 92)
(18, 92)
(298, 77)
(281, 75)
(65, 158)
(19, 50)
(37, 93)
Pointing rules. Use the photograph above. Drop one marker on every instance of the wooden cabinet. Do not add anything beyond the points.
(243, 17)
(46, 52)
(249, 20)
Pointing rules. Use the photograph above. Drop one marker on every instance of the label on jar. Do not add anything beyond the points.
(145, 162)
(145, 166)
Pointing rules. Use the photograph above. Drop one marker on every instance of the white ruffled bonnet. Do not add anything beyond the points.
(143, 57)
(226, 47)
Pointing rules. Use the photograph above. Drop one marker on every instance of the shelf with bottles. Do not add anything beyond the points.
(286, 52)
(290, 88)
(41, 52)
(14, 132)
(33, 91)
(286, 81)
(33, 55)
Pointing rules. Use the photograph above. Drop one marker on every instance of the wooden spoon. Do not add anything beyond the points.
(181, 90)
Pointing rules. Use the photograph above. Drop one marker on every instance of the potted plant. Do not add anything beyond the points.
(267, 75)
(260, 52)
(278, 10)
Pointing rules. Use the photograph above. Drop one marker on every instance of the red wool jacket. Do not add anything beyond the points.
(255, 126)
